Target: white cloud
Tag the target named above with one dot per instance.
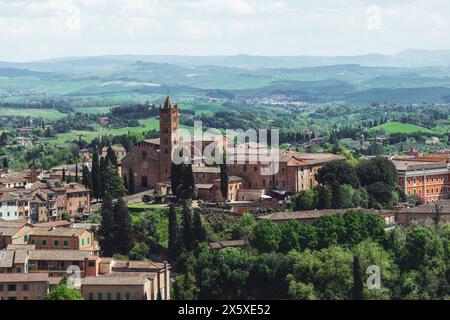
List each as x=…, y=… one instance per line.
x=271, y=27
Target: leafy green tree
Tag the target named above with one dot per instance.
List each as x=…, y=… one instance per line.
x=377, y=170
x=140, y=251
x=307, y=237
x=266, y=236
x=62, y=292
x=301, y=291
x=290, y=236
x=112, y=182
x=304, y=200
x=122, y=229
x=380, y=195
x=324, y=197
x=339, y=197
x=339, y=172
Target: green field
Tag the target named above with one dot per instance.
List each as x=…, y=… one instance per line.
x=399, y=127
x=93, y=110
x=46, y=114
x=146, y=125
x=203, y=107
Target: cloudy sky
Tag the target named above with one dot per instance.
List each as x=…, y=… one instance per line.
x=39, y=29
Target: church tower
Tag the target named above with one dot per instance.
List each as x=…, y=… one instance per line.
x=168, y=125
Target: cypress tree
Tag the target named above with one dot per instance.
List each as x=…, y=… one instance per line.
x=131, y=181
x=198, y=230
x=86, y=177
x=105, y=231
x=224, y=181
x=122, y=230
x=174, y=241
x=188, y=182
x=176, y=176
x=96, y=182
x=103, y=176
x=111, y=156
x=112, y=182
x=76, y=172
x=5, y=163
x=357, y=291
x=63, y=174
x=187, y=227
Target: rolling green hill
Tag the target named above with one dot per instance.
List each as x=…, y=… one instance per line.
x=399, y=127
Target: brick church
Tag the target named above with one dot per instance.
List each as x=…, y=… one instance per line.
x=150, y=162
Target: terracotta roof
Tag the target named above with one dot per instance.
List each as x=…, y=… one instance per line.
x=59, y=223
x=61, y=232
x=204, y=185
x=23, y=277
x=115, y=279
x=203, y=169
x=21, y=256
x=153, y=141
x=21, y=247
x=59, y=255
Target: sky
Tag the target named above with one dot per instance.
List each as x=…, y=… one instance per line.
x=40, y=29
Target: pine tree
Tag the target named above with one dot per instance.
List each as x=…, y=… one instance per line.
x=224, y=181
x=357, y=291
x=131, y=181
x=105, y=231
x=174, y=241
x=198, y=230
x=187, y=227
x=96, y=182
x=122, y=229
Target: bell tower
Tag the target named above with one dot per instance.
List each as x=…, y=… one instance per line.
x=168, y=125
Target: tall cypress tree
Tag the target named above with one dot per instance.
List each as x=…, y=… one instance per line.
x=111, y=156
x=357, y=290
x=187, y=227
x=103, y=176
x=63, y=174
x=174, y=240
x=96, y=182
x=76, y=172
x=131, y=189
x=224, y=181
x=122, y=229
x=105, y=231
x=198, y=230
x=176, y=178
x=188, y=182
x=86, y=177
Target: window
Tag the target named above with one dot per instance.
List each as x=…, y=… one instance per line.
x=91, y=264
x=82, y=242
x=88, y=240
x=37, y=286
x=127, y=296
x=65, y=243
x=12, y=287
x=1, y=287
x=55, y=243
x=118, y=297
x=91, y=296
x=100, y=296
x=44, y=242
x=25, y=287
x=108, y=296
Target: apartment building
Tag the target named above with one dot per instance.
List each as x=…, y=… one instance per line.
x=23, y=286
x=425, y=177
x=62, y=238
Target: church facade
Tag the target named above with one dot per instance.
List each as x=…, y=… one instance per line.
x=150, y=162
